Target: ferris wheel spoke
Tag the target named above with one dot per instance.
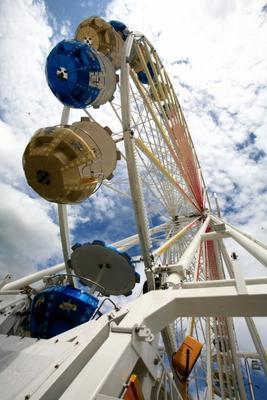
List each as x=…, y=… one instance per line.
x=160, y=187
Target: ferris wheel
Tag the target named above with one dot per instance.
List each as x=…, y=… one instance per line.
x=176, y=340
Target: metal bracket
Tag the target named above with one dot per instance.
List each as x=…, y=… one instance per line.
x=145, y=350
x=144, y=333
x=141, y=332
x=219, y=227
x=141, y=342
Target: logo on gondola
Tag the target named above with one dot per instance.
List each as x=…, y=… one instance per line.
x=68, y=306
x=40, y=301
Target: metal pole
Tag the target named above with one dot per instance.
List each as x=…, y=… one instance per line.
x=226, y=258
x=62, y=214
x=35, y=277
x=249, y=380
x=191, y=320
x=240, y=382
x=187, y=257
x=134, y=179
x=209, y=362
x=174, y=239
x=229, y=323
x=219, y=361
x=257, y=342
x=217, y=205
x=134, y=239
x=254, y=247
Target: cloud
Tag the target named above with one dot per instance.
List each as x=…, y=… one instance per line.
x=215, y=54
x=28, y=33
x=222, y=88
x=220, y=78
x=28, y=235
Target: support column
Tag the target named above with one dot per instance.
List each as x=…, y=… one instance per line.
x=134, y=179
x=257, y=342
x=62, y=214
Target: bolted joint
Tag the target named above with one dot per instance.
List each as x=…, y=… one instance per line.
x=141, y=332
x=144, y=333
x=234, y=256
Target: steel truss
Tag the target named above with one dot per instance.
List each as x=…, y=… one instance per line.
x=201, y=287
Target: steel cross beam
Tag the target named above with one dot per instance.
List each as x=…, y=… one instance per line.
x=110, y=367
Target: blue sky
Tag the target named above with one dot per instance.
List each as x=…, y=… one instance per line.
x=215, y=53
x=64, y=10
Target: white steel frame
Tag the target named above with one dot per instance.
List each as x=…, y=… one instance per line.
x=108, y=350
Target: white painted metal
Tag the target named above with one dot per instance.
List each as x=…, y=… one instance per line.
x=62, y=214
x=110, y=366
x=217, y=205
x=255, y=248
x=257, y=342
x=134, y=180
x=240, y=281
x=209, y=361
x=143, y=117
x=241, y=387
x=249, y=380
x=175, y=277
x=134, y=239
x=104, y=148
x=32, y=278
x=95, y=360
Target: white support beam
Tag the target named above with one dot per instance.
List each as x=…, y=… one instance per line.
x=247, y=354
x=226, y=258
x=215, y=235
x=250, y=385
x=209, y=362
x=173, y=239
x=134, y=239
x=111, y=366
x=239, y=377
x=158, y=309
x=221, y=283
x=134, y=178
x=254, y=247
x=62, y=214
x=239, y=278
x=217, y=205
x=175, y=276
x=35, y=277
x=257, y=342
x=191, y=321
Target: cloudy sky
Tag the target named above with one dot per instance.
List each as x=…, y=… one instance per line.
x=216, y=54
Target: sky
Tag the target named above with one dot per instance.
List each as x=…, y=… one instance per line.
x=215, y=52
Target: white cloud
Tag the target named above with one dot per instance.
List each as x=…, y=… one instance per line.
x=223, y=79
x=11, y=149
x=28, y=235
x=215, y=53
x=222, y=88
x=26, y=105
x=26, y=100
